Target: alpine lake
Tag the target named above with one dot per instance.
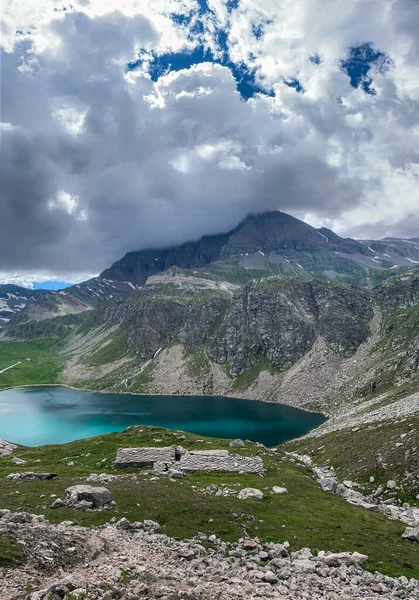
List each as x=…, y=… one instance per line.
x=34, y=416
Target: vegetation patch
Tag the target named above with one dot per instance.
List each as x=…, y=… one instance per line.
x=11, y=554
x=109, y=352
x=248, y=378
x=44, y=365
x=307, y=516
x=383, y=450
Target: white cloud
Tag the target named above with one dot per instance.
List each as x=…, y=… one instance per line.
x=96, y=161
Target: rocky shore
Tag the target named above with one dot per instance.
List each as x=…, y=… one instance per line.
x=126, y=560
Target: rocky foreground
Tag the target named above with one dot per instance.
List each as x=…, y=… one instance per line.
x=132, y=560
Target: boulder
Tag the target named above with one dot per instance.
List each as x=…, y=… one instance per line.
x=411, y=533
x=6, y=448
x=391, y=484
x=336, y=559
x=246, y=493
x=237, y=444
x=270, y=577
x=150, y=526
x=97, y=496
x=328, y=484
x=58, y=503
x=249, y=544
x=30, y=475
x=279, y=490
x=124, y=524
x=175, y=474
x=18, y=461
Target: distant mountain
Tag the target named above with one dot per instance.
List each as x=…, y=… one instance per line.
x=20, y=304
x=14, y=298
x=273, y=241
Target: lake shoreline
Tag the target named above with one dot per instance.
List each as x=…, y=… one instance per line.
x=72, y=387
x=54, y=413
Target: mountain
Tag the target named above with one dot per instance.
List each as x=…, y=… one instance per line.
x=14, y=298
x=273, y=242
x=20, y=305
x=275, y=310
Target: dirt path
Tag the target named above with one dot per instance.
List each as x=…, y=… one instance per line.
x=11, y=367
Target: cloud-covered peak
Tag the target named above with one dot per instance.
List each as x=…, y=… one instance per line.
x=132, y=125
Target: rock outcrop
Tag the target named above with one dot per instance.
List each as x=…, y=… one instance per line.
x=131, y=560
x=86, y=497
x=32, y=475
x=6, y=448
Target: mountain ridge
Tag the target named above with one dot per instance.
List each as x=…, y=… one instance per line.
x=281, y=237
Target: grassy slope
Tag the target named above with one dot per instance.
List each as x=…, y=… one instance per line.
x=307, y=516
x=44, y=351
x=386, y=450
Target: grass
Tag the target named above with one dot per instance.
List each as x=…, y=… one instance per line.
x=385, y=450
x=248, y=378
x=44, y=367
x=106, y=353
x=307, y=516
x=11, y=554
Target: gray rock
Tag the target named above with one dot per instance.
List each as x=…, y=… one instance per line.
x=279, y=490
x=246, y=493
x=391, y=484
x=175, y=474
x=150, y=525
x=270, y=577
x=411, y=533
x=83, y=505
x=30, y=475
x=124, y=524
x=237, y=444
x=328, y=484
x=58, y=503
x=335, y=559
x=97, y=496
x=18, y=461
x=6, y=448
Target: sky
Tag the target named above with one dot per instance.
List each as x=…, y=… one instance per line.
x=131, y=124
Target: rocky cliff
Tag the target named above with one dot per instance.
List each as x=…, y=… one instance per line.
x=272, y=238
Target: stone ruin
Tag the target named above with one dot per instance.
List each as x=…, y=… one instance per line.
x=176, y=461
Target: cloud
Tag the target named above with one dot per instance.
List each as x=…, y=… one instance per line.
x=225, y=109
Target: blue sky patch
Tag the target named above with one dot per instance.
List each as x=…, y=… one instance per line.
x=360, y=62
x=51, y=285
x=294, y=83
x=232, y=5
x=176, y=61
x=315, y=59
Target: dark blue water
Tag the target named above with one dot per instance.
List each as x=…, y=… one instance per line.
x=48, y=415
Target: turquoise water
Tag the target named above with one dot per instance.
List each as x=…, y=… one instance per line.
x=48, y=415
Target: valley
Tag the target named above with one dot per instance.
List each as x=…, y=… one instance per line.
x=273, y=316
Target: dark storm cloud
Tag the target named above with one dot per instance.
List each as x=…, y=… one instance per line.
x=96, y=161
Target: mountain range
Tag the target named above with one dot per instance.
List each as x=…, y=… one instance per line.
x=272, y=243
x=274, y=310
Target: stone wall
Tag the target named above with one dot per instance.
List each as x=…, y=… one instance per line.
x=144, y=457
x=230, y=463
x=188, y=462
